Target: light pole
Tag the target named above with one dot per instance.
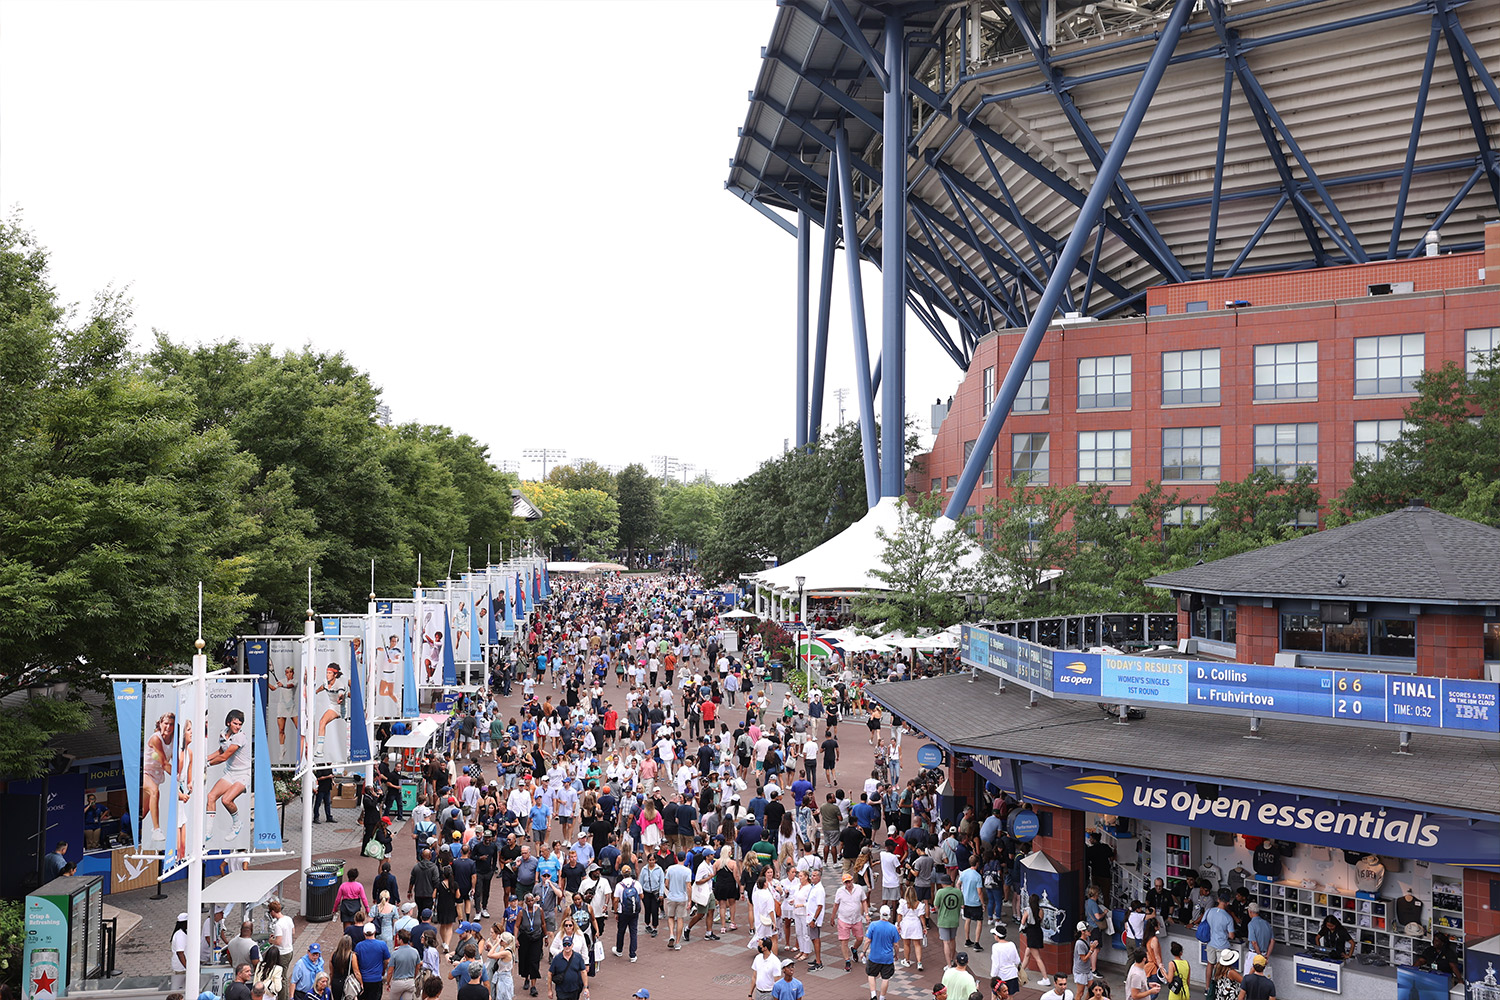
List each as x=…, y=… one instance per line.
x=543, y=454
x=802, y=623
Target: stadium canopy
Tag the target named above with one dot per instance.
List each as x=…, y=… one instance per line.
x=1059, y=157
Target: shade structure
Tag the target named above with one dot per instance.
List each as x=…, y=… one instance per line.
x=421, y=732
x=739, y=613
x=245, y=886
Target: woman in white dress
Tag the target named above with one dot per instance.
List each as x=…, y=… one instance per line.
x=336, y=690
x=388, y=659
x=155, y=762
x=184, y=786
x=283, y=687
x=911, y=920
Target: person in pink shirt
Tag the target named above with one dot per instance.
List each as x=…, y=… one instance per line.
x=353, y=890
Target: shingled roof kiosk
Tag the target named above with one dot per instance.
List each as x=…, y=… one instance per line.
x=1361, y=780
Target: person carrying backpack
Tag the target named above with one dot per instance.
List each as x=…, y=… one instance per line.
x=628, y=904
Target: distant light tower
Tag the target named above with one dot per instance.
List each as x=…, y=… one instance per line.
x=508, y=465
x=668, y=464
x=840, y=394
x=543, y=454
x=686, y=467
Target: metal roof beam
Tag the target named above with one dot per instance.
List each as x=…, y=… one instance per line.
x=1025, y=161
x=1017, y=265
x=966, y=232
x=1461, y=51
x=1257, y=96
x=1453, y=204
x=796, y=201
x=824, y=139
x=1131, y=210
x=1418, y=116
x=1234, y=58
x=939, y=330
x=762, y=208
x=963, y=205
x=933, y=238
x=834, y=94
x=851, y=35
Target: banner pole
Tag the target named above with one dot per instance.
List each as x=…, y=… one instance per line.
x=372, y=685
x=197, y=804
x=309, y=774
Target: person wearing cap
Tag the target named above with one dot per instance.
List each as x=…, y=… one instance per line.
x=881, y=939
x=958, y=978
x=179, y=952
x=308, y=968
x=1257, y=985
x=641, y=994
x=850, y=910
x=1005, y=962
x=1085, y=954
x=374, y=959
x=568, y=977
x=212, y=935
x=283, y=939
x=1259, y=938
x=788, y=987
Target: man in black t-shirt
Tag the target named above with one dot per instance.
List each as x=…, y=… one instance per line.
x=474, y=989
x=775, y=809
x=573, y=871
x=852, y=840
x=484, y=852
x=830, y=748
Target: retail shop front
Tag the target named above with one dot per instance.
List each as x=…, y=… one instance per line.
x=1306, y=819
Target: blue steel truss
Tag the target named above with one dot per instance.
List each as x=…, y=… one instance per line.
x=851, y=93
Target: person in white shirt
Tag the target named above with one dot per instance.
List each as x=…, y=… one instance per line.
x=817, y=906
x=1057, y=991
x=519, y=800
x=767, y=968
x=1005, y=962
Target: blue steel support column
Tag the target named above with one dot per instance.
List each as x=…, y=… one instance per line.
x=825, y=294
x=804, y=240
x=893, y=262
x=1068, y=257
x=863, y=392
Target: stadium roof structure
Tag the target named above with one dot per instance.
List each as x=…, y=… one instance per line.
x=1115, y=144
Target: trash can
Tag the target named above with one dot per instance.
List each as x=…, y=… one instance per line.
x=322, y=886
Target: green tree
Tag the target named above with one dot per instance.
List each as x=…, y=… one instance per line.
x=640, y=498
x=585, y=474
x=927, y=565
x=594, y=517
x=1448, y=455
x=691, y=513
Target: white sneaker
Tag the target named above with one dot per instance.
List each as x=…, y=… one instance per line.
x=158, y=835
x=1044, y=982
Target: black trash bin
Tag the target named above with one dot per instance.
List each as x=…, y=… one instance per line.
x=323, y=881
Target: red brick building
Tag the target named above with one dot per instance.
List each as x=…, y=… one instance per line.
x=1306, y=367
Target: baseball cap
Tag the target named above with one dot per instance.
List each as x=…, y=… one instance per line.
x=568, y=941
x=786, y=962
x=182, y=916
x=847, y=878
x=315, y=949
x=641, y=994
x=1259, y=962
x=408, y=907
x=426, y=913
x=208, y=995
x=885, y=911
x=1082, y=926
x=369, y=928
x=963, y=958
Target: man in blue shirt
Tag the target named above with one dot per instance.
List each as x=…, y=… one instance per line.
x=864, y=814
x=1220, y=923
x=971, y=882
x=788, y=987
x=373, y=957
x=679, y=877
x=880, y=954
x=541, y=819
x=307, y=970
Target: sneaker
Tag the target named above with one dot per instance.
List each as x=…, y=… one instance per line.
x=158, y=835
x=671, y=942
x=485, y=914
x=710, y=937
x=919, y=966
x=615, y=952
x=905, y=964
x=847, y=965
x=687, y=936
x=677, y=947
x=632, y=959
x=1044, y=981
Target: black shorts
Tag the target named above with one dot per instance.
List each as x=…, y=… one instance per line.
x=973, y=913
x=883, y=970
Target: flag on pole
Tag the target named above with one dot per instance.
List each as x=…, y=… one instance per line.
x=267, y=824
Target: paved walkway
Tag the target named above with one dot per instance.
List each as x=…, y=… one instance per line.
x=701, y=970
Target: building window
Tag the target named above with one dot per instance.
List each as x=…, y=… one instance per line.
x=952, y=481
x=1104, y=383
x=937, y=485
x=1479, y=346
x=987, y=477
x=1394, y=637
x=1035, y=389
x=1030, y=460
x=1387, y=365
x=1104, y=456
x=1286, y=371
x=1373, y=437
x=1157, y=310
x=1190, y=453
x=1201, y=306
x=969, y=513
x=1189, y=377
x=1185, y=514
x=989, y=389
x=1360, y=637
x=1285, y=448
x=1214, y=624
x=1492, y=640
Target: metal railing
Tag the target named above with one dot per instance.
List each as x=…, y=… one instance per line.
x=1122, y=630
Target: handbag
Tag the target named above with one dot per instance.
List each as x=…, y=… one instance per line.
x=375, y=848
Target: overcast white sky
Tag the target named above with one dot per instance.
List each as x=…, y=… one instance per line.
x=512, y=214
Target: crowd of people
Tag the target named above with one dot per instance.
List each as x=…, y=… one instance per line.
x=650, y=791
